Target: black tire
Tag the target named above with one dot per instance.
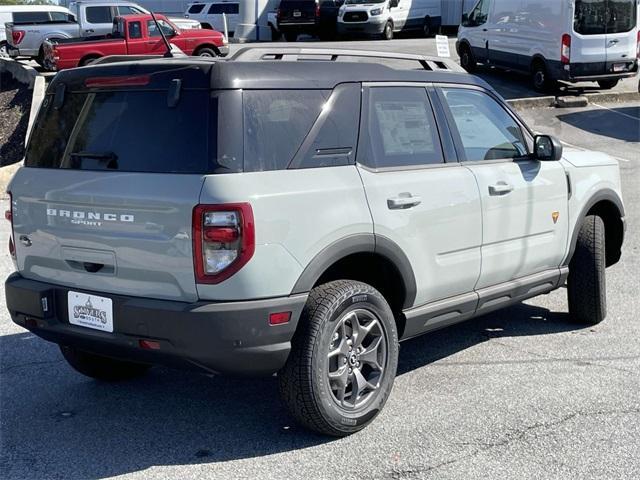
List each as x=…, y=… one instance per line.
x=275, y=34
x=607, y=84
x=586, y=285
x=4, y=51
x=467, y=60
x=206, y=52
x=426, y=28
x=304, y=381
x=291, y=36
x=102, y=368
x=387, y=33
x=540, y=78
x=87, y=61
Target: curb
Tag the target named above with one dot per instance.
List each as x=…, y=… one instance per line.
x=542, y=102
x=22, y=73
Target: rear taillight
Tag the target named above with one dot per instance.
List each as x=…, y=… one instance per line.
x=565, y=50
x=17, y=36
x=223, y=240
x=317, y=10
x=9, y=216
x=124, y=81
x=278, y=14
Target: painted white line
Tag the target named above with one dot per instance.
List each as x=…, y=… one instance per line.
x=615, y=111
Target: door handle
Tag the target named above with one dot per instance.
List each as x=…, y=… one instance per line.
x=403, y=201
x=614, y=41
x=500, y=188
x=88, y=31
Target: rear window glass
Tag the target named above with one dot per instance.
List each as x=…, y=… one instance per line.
x=598, y=17
x=31, y=17
x=220, y=8
x=276, y=122
x=133, y=131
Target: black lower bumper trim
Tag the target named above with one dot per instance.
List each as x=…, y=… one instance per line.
x=227, y=338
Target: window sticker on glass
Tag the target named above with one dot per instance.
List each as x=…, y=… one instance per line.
x=405, y=127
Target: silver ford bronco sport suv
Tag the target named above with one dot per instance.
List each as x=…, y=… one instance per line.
x=294, y=211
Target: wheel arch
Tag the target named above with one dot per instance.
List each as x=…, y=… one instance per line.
x=537, y=58
x=91, y=55
x=607, y=205
x=373, y=259
x=206, y=45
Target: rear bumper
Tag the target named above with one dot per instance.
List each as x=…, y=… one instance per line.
x=592, y=72
x=226, y=338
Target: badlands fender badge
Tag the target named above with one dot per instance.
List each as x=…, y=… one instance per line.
x=555, y=216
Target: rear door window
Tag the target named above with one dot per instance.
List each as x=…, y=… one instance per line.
x=599, y=17
x=220, y=8
x=132, y=131
x=99, y=15
x=276, y=122
x=401, y=129
x=196, y=8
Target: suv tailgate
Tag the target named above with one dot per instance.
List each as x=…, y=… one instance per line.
x=105, y=199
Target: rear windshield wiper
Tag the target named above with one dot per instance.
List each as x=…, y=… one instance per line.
x=98, y=156
x=109, y=157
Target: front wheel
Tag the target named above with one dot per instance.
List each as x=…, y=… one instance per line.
x=206, y=52
x=467, y=60
x=586, y=285
x=343, y=359
x=4, y=49
x=608, y=84
x=102, y=368
x=387, y=33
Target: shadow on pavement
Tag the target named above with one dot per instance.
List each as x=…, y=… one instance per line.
x=607, y=122
x=57, y=423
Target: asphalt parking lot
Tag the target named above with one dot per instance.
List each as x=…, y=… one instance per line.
x=521, y=393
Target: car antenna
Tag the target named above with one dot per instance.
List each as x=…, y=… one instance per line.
x=168, y=53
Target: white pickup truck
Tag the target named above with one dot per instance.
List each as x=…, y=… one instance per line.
x=84, y=19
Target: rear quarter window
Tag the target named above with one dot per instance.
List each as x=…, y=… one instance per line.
x=196, y=8
x=31, y=17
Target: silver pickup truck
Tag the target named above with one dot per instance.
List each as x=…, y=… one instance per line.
x=83, y=20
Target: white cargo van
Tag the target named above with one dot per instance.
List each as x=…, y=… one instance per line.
x=385, y=17
x=570, y=40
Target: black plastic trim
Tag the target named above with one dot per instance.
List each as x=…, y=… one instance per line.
x=603, y=195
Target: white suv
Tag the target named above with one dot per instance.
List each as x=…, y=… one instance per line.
x=209, y=14
x=288, y=213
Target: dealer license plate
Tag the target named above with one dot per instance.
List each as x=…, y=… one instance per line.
x=90, y=311
x=296, y=13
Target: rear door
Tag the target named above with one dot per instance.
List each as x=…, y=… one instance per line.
x=478, y=32
x=589, y=41
x=622, y=34
x=98, y=20
x=105, y=199
x=429, y=208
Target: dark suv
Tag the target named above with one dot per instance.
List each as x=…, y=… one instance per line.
x=311, y=17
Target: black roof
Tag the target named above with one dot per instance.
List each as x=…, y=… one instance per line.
x=197, y=72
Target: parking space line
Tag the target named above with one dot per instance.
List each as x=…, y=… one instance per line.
x=615, y=111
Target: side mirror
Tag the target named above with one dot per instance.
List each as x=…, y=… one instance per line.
x=547, y=147
x=465, y=19
x=393, y=3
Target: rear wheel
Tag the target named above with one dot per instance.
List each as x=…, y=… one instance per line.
x=467, y=60
x=608, y=84
x=343, y=359
x=541, y=79
x=4, y=50
x=206, y=52
x=586, y=285
x=291, y=36
x=387, y=33
x=87, y=61
x=427, y=31
x=102, y=368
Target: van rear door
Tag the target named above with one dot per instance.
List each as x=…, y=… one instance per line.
x=112, y=173
x=588, y=44
x=622, y=35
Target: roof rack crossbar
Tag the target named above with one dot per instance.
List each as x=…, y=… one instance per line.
x=294, y=54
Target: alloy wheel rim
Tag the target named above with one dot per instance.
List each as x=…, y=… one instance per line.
x=357, y=359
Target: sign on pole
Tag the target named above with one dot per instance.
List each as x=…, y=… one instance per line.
x=442, y=43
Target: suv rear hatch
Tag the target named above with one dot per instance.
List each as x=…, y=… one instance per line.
x=113, y=171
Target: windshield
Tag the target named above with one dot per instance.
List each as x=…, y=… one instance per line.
x=598, y=17
x=363, y=2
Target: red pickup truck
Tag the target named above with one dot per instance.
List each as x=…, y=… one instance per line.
x=134, y=35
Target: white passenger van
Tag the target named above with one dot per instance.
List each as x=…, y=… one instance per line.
x=570, y=40
x=385, y=17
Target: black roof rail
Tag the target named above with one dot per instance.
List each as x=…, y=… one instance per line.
x=333, y=54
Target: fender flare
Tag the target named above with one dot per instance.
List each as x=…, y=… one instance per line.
x=359, y=243
x=605, y=194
